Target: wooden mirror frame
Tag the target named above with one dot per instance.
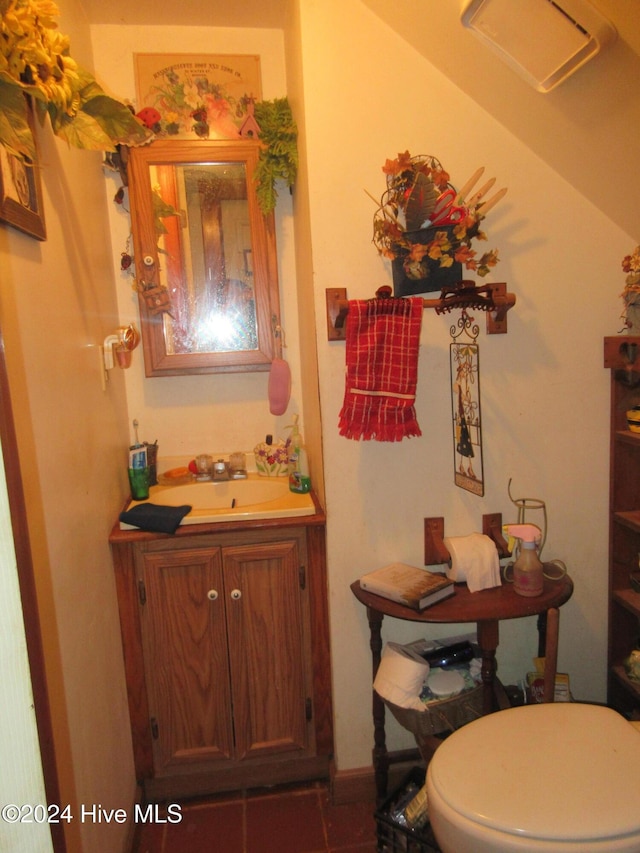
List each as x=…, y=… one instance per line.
x=158, y=362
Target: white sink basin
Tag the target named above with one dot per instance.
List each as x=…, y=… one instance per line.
x=229, y=500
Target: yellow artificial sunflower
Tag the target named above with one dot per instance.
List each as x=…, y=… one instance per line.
x=35, y=61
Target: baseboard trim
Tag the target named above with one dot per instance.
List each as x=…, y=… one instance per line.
x=359, y=784
x=353, y=786
x=238, y=777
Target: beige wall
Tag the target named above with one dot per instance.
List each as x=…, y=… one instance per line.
x=190, y=415
x=362, y=95
x=57, y=303
x=559, y=255
x=368, y=95
x=307, y=319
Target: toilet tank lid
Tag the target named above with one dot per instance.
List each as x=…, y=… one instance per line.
x=544, y=771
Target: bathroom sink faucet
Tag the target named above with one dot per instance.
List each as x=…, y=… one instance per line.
x=220, y=470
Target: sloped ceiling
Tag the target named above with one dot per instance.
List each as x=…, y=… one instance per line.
x=588, y=129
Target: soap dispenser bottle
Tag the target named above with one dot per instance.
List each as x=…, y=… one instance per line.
x=528, y=571
x=299, y=480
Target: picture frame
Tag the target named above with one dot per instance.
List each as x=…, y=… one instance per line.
x=468, y=473
x=21, y=202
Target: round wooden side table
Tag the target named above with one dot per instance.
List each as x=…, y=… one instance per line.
x=487, y=608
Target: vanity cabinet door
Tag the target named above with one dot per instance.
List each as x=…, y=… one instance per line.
x=226, y=650
x=267, y=604
x=225, y=633
x=186, y=657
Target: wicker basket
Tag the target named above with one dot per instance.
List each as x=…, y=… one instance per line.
x=438, y=717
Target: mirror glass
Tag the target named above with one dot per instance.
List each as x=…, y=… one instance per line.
x=205, y=258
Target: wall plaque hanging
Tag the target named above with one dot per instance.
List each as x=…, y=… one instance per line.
x=194, y=96
x=465, y=405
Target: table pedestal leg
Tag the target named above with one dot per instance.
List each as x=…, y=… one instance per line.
x=551, y=653
x=542, y=633
x=380, y=753
x=488, y=635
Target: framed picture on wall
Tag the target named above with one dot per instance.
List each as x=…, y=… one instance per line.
x=196, y=96
x=468, y=471
x=21, y=193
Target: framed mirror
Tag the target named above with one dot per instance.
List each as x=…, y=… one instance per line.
x=205, y=254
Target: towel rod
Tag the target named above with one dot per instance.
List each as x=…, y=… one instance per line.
x=492, y=298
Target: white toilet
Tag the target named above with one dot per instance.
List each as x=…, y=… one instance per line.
x=561, y=777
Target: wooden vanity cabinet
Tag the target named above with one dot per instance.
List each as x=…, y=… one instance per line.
x=226, y=652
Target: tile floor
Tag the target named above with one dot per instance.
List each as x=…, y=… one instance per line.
x=300, y=820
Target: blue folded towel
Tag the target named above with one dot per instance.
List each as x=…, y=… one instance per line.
x=158, y=519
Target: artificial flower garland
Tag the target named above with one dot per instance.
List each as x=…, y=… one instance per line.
x=35, y=61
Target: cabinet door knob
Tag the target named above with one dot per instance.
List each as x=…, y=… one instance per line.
x=212, y=594
x=236, y=594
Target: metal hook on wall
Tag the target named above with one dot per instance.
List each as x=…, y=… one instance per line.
x=279, y=375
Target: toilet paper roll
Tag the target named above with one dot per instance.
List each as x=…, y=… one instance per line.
x=401, y=676
x=474, y=559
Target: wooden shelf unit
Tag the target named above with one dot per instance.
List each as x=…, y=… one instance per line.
x=624, y=522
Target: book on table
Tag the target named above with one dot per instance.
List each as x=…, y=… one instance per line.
x=408, y=585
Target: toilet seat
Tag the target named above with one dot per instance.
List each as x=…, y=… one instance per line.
x=563, y=774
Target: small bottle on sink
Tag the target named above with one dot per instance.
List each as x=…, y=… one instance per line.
x=299, y=479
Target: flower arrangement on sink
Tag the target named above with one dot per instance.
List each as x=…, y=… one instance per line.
x=423, y=225
x=272, y=460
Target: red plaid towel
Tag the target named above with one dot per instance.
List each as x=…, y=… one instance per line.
x=383, y=339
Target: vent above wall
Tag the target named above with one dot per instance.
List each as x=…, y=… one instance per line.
x=544, y=41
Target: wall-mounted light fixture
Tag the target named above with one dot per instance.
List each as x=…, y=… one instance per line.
x=545, y=41
x=116, y=350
